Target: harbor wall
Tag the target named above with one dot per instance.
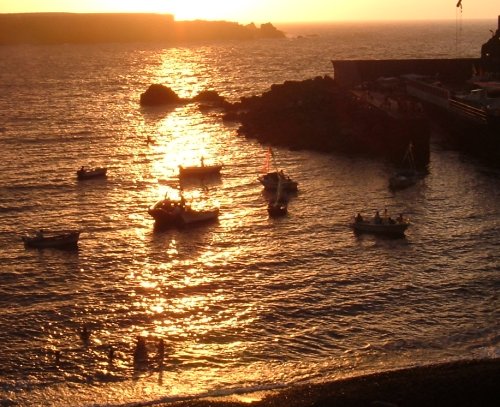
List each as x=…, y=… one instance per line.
x=350, y=73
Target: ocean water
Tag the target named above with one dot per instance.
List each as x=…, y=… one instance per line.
x=248, y=303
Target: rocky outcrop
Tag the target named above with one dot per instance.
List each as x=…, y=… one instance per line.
x=158, y=94
x=317, y=114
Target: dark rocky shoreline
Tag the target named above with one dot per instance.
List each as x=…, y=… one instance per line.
x=471, y=383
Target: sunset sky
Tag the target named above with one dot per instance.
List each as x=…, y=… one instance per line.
x=275, y=11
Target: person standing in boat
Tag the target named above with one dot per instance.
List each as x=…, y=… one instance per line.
x=377, y=218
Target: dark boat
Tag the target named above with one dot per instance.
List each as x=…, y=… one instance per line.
x=53, y=239
x=168, y=212
x=272, y=179
x=88, y=173
x=381, y=226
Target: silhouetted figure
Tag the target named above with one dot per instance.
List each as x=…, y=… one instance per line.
x=359, y=218
x=85, y=335
x=377, y=218
x=111, y=355
x=140, y=353
x=160, y=353
x=57, y=357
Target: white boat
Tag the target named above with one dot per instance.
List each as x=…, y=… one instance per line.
x=55, y=239
x=382, y=226
x=408, y=176
x=199, y=171
x=87, y=173
x=271, y=180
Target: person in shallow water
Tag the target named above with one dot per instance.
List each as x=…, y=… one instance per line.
x=140, y=352
x=160, y=352
x=111, y=354
x=85, y=334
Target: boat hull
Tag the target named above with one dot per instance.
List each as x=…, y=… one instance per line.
x=67, y=240
x=190, y=217
x=83, y=174
x=271, y=181
x=401, y=181
x=165, y=213
x=277, y=210
x=388, y=229
x=205, y=170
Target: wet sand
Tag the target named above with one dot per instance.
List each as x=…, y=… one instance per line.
x=466, y=383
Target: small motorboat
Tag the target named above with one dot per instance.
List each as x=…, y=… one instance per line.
x=378, y=225
x=408, y=176
x=168, y=212
x=271, y=180
x=88, y=173
x=54, y=239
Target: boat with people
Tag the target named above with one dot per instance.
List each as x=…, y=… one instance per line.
x=406, y=176
x=170, y=212
x=271, y=179
x=381, y=225
x=66, y=239
x=88, y=173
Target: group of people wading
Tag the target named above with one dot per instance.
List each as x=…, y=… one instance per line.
x=141, y=359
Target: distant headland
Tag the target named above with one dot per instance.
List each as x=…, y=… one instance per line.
x=56, y=28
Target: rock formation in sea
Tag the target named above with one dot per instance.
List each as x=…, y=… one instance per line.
x=317, y=114
x=157, y=95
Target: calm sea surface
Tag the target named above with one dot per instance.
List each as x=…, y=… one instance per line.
x=246, y=303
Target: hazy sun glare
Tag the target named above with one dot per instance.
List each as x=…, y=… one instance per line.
x=261, y=11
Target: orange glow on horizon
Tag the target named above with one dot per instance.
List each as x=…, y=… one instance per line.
x=263, y=11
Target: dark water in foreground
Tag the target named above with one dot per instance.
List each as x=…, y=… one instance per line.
x=248, y=302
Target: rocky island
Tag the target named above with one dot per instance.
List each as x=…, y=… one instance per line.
x=55, y=28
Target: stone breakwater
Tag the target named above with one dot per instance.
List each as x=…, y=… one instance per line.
x=315, y=114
